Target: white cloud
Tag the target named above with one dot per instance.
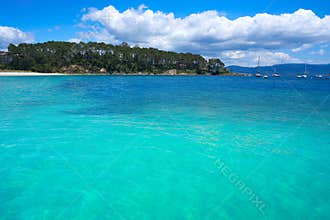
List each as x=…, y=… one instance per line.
x=55, y=28
x=74, y=40
x=13, y=35
x=320, y=52
x=302, y=47
x=234, y=54
x=207, y=32
x=250, y=58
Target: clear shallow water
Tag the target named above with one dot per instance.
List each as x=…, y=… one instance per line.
x=164, y=148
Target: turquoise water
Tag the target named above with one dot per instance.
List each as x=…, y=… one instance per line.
x=164, y=148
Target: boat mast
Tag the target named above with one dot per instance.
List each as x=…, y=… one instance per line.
x=258, y=69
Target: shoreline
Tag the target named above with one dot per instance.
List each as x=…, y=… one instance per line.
x=18, y=73
x=22, y=73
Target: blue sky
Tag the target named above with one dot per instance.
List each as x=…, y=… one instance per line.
x=41, y=20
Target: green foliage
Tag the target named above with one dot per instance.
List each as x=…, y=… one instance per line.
x=216, y=66
x=99, y=57
x=94, y=57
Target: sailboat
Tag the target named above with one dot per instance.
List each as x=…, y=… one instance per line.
x=275, y=74
x=305, y=73
x=258, y=74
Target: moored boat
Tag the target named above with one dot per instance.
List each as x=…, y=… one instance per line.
x=258, y=74
x=304, y=75
x=275, y=74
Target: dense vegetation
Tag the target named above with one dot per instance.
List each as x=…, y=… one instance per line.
x=105, y=58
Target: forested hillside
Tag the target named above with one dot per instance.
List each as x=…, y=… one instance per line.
x=106, y=58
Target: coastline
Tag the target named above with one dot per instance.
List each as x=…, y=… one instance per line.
x=17, y=73
x=21, y=73
x=27, y=73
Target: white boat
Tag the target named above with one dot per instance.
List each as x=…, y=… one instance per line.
x=318, y=76
x=265, y=76
x=258, y=74
x=303, y=75
x=275, y=74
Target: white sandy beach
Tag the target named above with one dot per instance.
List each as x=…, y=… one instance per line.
x=29, y=74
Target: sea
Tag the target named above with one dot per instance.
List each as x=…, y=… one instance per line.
x=164, y=147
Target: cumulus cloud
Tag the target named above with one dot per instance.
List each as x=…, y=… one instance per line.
x=74, y=40
x=207, y=32
x=302, y=47
x=12, y=35
x=250, y=58
x=320, y=52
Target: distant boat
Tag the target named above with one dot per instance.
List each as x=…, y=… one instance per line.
x=265, y=76
x=258, y=74
x=275, y=74
x=319, y=76
x=303, y=75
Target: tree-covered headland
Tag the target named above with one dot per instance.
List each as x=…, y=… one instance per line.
x=66, y=57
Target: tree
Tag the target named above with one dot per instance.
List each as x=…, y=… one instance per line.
x=95, y=57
